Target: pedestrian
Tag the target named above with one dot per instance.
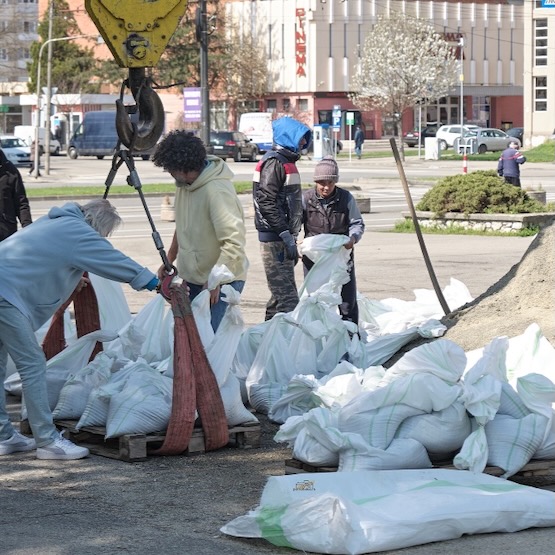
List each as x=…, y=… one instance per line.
x=359, y=141
x=509, y=163
x=209, y=220
x=40, y=267
x=14, y=204
x=328, y=208
x=277, y=199
x=32, y=157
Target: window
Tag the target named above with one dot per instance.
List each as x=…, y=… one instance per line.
x=29, y=27
x=540, y=42
x=302, y=104
x=540, y=94
x=271, y=105
x=286, y=104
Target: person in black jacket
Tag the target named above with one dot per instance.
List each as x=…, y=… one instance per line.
x=277, y=199
x=509, y=164
x=330, y=209
x=14, y=204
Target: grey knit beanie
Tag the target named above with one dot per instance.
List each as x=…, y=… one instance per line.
x=326, y=170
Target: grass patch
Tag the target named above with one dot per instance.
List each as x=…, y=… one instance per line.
x=407, y=226
x=541, y=153
x=98, y=190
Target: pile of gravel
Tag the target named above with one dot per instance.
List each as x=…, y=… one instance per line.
x=523, y=296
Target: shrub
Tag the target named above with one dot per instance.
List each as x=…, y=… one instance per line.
x=479, y=192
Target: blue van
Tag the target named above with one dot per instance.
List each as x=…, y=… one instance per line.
x=97, y=136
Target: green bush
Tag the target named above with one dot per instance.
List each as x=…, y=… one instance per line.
x=479, y=192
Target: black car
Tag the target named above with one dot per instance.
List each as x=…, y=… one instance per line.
x=233, y=144
x=516, y=132
x=411, y=138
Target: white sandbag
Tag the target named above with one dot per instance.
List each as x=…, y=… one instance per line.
x=401, y=453
x=381, y=348
x=142, y=406
x=440, y=432
x=530, y=352
x=112, y=305
x=473, y=455
x=313, y=437
x=221, y=353
x=296, y=400
x=546, y=451
x=330, y=259
x=510, y=403
x=512, y=442
x=200, y=306
x=442, y=358
x=538, y=394
x=98, y=403
x=369, y=512
x=145, y=335
x=70, y=360
x=77, y=388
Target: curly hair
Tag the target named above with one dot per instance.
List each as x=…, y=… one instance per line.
x=180, y=151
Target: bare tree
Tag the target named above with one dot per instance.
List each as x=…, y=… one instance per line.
x=403, y=61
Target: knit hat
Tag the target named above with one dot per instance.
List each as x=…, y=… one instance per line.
x=326, y=170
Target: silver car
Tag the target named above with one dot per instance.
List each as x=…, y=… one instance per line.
x=489, y=139
x=16, y=151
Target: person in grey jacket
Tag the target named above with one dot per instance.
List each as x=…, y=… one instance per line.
x=509, y=164
x=331, y=209
x=40, y=267
x=277, y=198
x=14, y=204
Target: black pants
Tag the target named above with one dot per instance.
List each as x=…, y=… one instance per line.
x=512, y=180
x=349, y=307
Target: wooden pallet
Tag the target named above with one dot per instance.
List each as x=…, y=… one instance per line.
x=136, y=447
x=534, y=473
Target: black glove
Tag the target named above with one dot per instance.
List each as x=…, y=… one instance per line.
x=291, y=252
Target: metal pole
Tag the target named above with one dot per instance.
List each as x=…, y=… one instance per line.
x=205, y=95
x=48, y=92
x=461, y=78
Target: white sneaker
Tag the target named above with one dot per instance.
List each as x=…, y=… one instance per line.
x=61, y=449
x=16, y=443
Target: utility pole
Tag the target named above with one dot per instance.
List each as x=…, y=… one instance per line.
x=48, y=91
x=202, y=36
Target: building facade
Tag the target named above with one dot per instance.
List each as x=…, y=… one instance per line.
x=539, y=71
x=314, y=47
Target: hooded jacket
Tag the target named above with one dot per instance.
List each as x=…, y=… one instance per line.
x=41, y=265
x=276, y=187
x=210, y=225
x=14, y=204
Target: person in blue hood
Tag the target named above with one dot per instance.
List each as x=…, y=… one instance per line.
x=40, y=267
x=278, y=211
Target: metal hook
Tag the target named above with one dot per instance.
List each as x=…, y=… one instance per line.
x=143, y=134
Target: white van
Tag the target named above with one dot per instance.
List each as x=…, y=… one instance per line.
x=27, y=134
x=257, y=126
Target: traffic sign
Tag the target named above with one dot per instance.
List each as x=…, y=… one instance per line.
x=548, y=3
x=350, y=118
x=4, y=108
x=336, y=117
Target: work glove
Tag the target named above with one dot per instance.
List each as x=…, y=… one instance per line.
x=291, y=252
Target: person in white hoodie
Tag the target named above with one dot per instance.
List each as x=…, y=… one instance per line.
x=209, y=221
x=40, y=267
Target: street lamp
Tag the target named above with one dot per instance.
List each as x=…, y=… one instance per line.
x=37, y=122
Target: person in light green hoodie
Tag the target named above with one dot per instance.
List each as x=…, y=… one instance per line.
x=209, y=220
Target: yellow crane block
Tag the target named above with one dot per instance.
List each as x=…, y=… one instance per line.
x=136, y=31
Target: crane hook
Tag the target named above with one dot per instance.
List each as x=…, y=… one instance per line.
x=143, y=135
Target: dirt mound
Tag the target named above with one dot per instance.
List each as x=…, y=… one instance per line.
x=524, y=295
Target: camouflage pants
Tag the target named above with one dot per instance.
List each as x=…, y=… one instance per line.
x=280, y=275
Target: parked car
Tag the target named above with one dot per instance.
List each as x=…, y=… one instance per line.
x=16, y=151
x=233, y=144
x=28, y=134
x=489, y=139
x=412, y=138
x=516, y=132
x=447, y=134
